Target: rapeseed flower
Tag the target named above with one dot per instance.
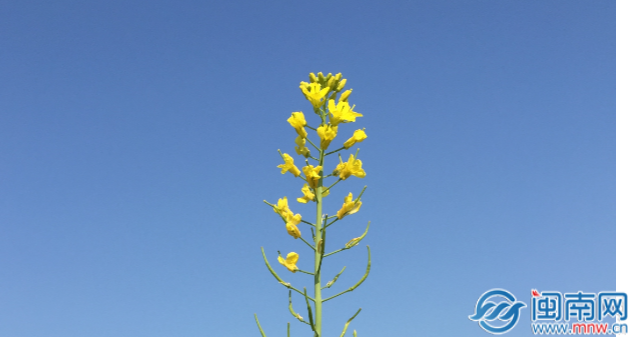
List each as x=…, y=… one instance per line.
x=289, y=165
x=327, y=133
x=341, y=113
x=300, y=148
x=351, y=167
x=358, y=136
x=290, y=262
x=350, y=206
x=297, y=120
x=282, y=208
x=312, y=175
x=307, y=194
x=314, y=93
x=291, y=225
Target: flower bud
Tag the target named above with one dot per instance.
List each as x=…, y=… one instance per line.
x=321, y=78
x=332, y=83
x=345, y=95
x=312, y=78
x=341, y=84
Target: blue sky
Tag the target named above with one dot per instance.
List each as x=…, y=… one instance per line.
x=138, y=140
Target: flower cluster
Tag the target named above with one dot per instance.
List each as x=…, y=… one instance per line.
x=321, y=92
x=331, y=105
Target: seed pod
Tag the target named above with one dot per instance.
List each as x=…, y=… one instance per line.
x=353, y=242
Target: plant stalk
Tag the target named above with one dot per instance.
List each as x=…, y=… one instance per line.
x=318, y=253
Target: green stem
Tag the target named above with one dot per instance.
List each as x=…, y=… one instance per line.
x=335, y=251
x=269, y=204
x=316, y=147
x=359, y=196
x=318, y=253
x=297, y=316
x=332, y=185
x=259, y=326
x=307, y=243
x=305, y=272
x=331, y=223
x=351, y=243
x=368, y=269
x=309, y=223
x=334, y=151
x=320, y=113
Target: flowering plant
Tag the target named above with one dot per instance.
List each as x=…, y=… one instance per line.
x=322, y=92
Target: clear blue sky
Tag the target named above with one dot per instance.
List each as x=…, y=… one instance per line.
x=138, y=140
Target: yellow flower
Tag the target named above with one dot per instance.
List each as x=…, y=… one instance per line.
x=313, y=93
x=290, y=218
x=290, y=262
x=312, y=175
x=358, y=136
x=341, y=113
x=327, y=134
x=300, y=148
x=291, y=225
x=297, y=120
x=349, y=206
x=351, y=167
x=282, y=208
x=307, y=194
x=289, y=165
x=325, y=191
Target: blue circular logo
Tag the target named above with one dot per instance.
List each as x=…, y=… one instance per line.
x=507, y=310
